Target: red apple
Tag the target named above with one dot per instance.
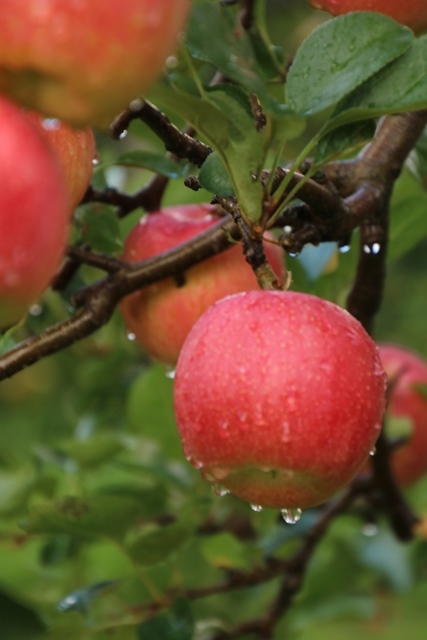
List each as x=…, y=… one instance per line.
x=405, y=371
x=84, y=60
x=33, y=214
x=75, y=151
x=412, y=13
x=161, y=315
x=279, y=397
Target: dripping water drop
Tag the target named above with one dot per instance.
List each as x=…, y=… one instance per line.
x=291, y=516
x=256, y=507
x=373, y=451
x=131, y=336
x=123, y=134
x=345, y=248
x=376, y=248
x=220, y=491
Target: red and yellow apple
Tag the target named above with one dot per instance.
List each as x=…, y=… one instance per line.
x=161, y=315
x=413, y=13
x=279, y=397
x=84, y=60
x=34, y=214
x=75, y=151
x=407, y=374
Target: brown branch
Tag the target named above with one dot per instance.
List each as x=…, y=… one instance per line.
x=376, y=169
x=293, y=570
x=99, y=300
x=177, y=142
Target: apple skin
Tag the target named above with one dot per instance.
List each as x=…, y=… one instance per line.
x=33, y=214
x=161, y=315
x=406, y=370
x=413, y=14
x=84, y=61
x=279, y=397
x=75, y=151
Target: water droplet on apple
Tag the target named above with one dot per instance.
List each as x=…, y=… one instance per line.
x=51, y=124
x=370, y=529
x=286, y=432
x=123, y=134
x=194, y=463
x=131, y=336
x=220, y=491
x=256, y=507
x=35, y=310
x=96, y=161
x=291, y=516
x=373, y=451
x=170, y=373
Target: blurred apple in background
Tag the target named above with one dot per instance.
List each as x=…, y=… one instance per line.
x=161, y=315
x=407, y=411
x=83, y=61
x=34, y=213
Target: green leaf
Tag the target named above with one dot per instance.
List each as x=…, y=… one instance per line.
x=343, y=141
x=93, y=452
x=387, y=556
x=211, y=36
x=379, y=95
x=340, y=55
x=99, y=227
x=224, y=551
x=152, y=544
x=214, y=178
x=105, y=515
x=150, y=410
x=176, y=624
x=151, y=161
x=17, y=621
x=408, y=220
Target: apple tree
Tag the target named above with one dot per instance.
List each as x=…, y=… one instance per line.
x=258, y=149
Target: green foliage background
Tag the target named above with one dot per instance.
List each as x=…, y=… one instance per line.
x=100, y=515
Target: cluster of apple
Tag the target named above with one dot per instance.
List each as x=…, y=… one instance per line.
x=279, y=396
x=64, y=65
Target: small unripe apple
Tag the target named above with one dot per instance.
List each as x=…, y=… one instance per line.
x=83, y=61
x=278, y=397
x=34, y=213
x=407, y=374
x=413, y=13
x=75, y=151
x=161, y=315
